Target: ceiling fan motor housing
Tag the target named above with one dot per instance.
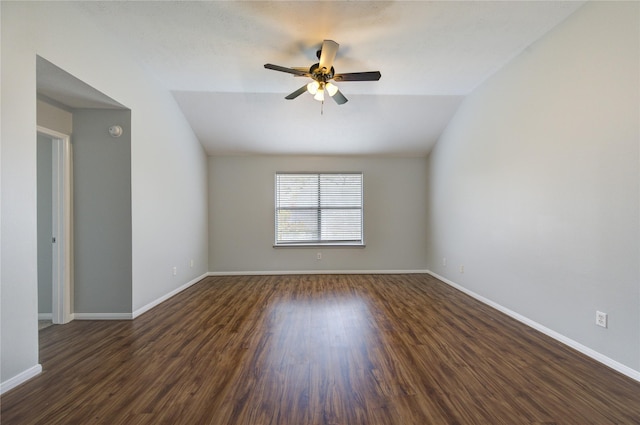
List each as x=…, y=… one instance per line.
x=318, y=75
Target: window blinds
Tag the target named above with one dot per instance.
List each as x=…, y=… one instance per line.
x=319, y=208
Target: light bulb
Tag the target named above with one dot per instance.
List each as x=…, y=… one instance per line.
x=319, y=95
x=331, y=89
x=312, y=87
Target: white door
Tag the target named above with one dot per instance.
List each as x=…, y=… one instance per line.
x=61, y=237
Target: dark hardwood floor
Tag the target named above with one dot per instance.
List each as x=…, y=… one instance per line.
x=311, y=349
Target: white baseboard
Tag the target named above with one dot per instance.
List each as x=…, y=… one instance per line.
x=102, y=316
x=20, y=378
x=607, y=361
x=165, y=297
x=45, y=316
x=290, y=272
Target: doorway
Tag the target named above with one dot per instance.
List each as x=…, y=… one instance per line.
x=55, y=240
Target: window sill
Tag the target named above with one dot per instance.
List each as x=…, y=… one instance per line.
x=320, y=245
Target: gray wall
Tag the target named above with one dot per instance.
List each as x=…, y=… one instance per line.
x=45, y=231
x=241, y=215
x=102, y=212
x=534, y=186
x=54, y=117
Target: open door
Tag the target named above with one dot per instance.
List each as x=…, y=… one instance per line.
x=61, y=238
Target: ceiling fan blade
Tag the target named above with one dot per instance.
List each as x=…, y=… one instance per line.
x=339, y=98
x=305, y=71
x=358, y=76
x=293, y=71
x=328, y=54
x=297, y=92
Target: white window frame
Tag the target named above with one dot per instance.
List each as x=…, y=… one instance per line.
x=319, y=243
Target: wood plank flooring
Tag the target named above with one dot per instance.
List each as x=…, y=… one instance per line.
x=317, y=349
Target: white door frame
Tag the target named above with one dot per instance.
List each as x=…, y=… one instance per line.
x=62, y=239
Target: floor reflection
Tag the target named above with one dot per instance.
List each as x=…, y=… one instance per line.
x=316, y=349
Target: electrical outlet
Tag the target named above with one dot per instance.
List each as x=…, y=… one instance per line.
x=191, y=263
x=319, y=256
x=461, y=269
x=444, y=262
x=601, y=319
x=175, y=270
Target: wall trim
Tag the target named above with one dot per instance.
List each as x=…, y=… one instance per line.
x=607, y=361
x=20, y=378
x=165, y=297
x=290, y=272
x=102, y=316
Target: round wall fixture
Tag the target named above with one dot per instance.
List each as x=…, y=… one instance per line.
x=115, y=131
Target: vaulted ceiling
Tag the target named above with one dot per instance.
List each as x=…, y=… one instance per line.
x=210, y=55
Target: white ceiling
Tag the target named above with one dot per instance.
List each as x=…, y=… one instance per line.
x=431, y=54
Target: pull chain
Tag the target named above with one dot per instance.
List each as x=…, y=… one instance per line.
x=322, y=108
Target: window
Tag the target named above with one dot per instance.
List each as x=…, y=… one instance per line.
x=319, y=209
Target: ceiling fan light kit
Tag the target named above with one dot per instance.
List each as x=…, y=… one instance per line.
x=322, y=72
x=313, y=87
x=332, y=89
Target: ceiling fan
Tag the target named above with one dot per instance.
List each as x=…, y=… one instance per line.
x=322, y=73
